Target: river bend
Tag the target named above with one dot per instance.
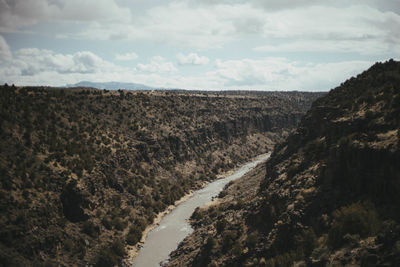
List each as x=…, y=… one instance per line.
x=174, y=227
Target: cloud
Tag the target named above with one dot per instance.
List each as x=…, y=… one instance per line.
x=373, y=47
x=5, y=53
x=192, y=59
x=180, y=25
x=126, y=57
x=33, y=66
x=355, y=29
x=320, y=22
x=277, y=5
x=283, y=74
x=32, y=61
x=17, y=14
x=36, y=66
x=336, y=26
x=250, y=72
x=208, y=24
x=157, y=65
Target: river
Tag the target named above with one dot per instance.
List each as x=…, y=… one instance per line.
x=174, y=227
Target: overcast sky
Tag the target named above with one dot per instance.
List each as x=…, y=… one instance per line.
x=196, y=44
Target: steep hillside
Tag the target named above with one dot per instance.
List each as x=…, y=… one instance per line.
x=84, y=171
x=330, y=194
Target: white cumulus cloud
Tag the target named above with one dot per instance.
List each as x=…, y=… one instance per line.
x=33, y=66
x=126, y=57
x=192, y=59
x=357, y=29
x=328, y=26
x=157, y=65
x=283, y=74
x=180, y=25
x=31, y=61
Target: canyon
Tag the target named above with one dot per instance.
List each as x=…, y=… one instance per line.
x=85, y=171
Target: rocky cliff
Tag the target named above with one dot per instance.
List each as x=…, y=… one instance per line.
x=83, y=171
x=330, y=193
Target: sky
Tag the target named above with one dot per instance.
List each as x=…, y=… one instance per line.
x=307, y=45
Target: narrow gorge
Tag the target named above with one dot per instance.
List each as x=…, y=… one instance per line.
x=84, y=171
x=328, y=196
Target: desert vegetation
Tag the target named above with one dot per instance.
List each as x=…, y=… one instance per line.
x=84, y=171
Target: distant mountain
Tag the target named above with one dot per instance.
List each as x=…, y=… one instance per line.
x=111, y=85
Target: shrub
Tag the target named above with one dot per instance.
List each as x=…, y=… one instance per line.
x=357, y=218
x=222, y=194
x=315, y=148
x=118, y=248
x=197, y=215
x=305, y=241
x=106, y=259
x=134, y=235
x=292, y=170
x=210, y=243
x=80, y=250
x=119, y=224
x=90, y=229
x=68, y=244
x=227, y=240
x=107, y=223
x=221, y=224
x=237, y=249
x=112, y=255
x=251, y=240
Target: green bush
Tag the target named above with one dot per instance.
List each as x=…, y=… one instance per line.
x=305, y=241
x=90, y=229
x=292, y=170
x=68, y=244
x=221, y=224
x=285, y=259
x=237, y=249
x=251, y=240
x=315, y=148
x=112, y=255
x=119, y=224
x=118, y=248
x=106, y=259
x=197, y=215
x=134, y=235
x=228, y=240
x=210, y=243
x=106, y=221
x=357, y=218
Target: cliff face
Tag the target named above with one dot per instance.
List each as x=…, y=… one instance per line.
x=84, y=171
x=332, y=187
x=330, y=194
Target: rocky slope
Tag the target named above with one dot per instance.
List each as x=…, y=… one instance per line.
x=83, y=171
x=330, y=193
